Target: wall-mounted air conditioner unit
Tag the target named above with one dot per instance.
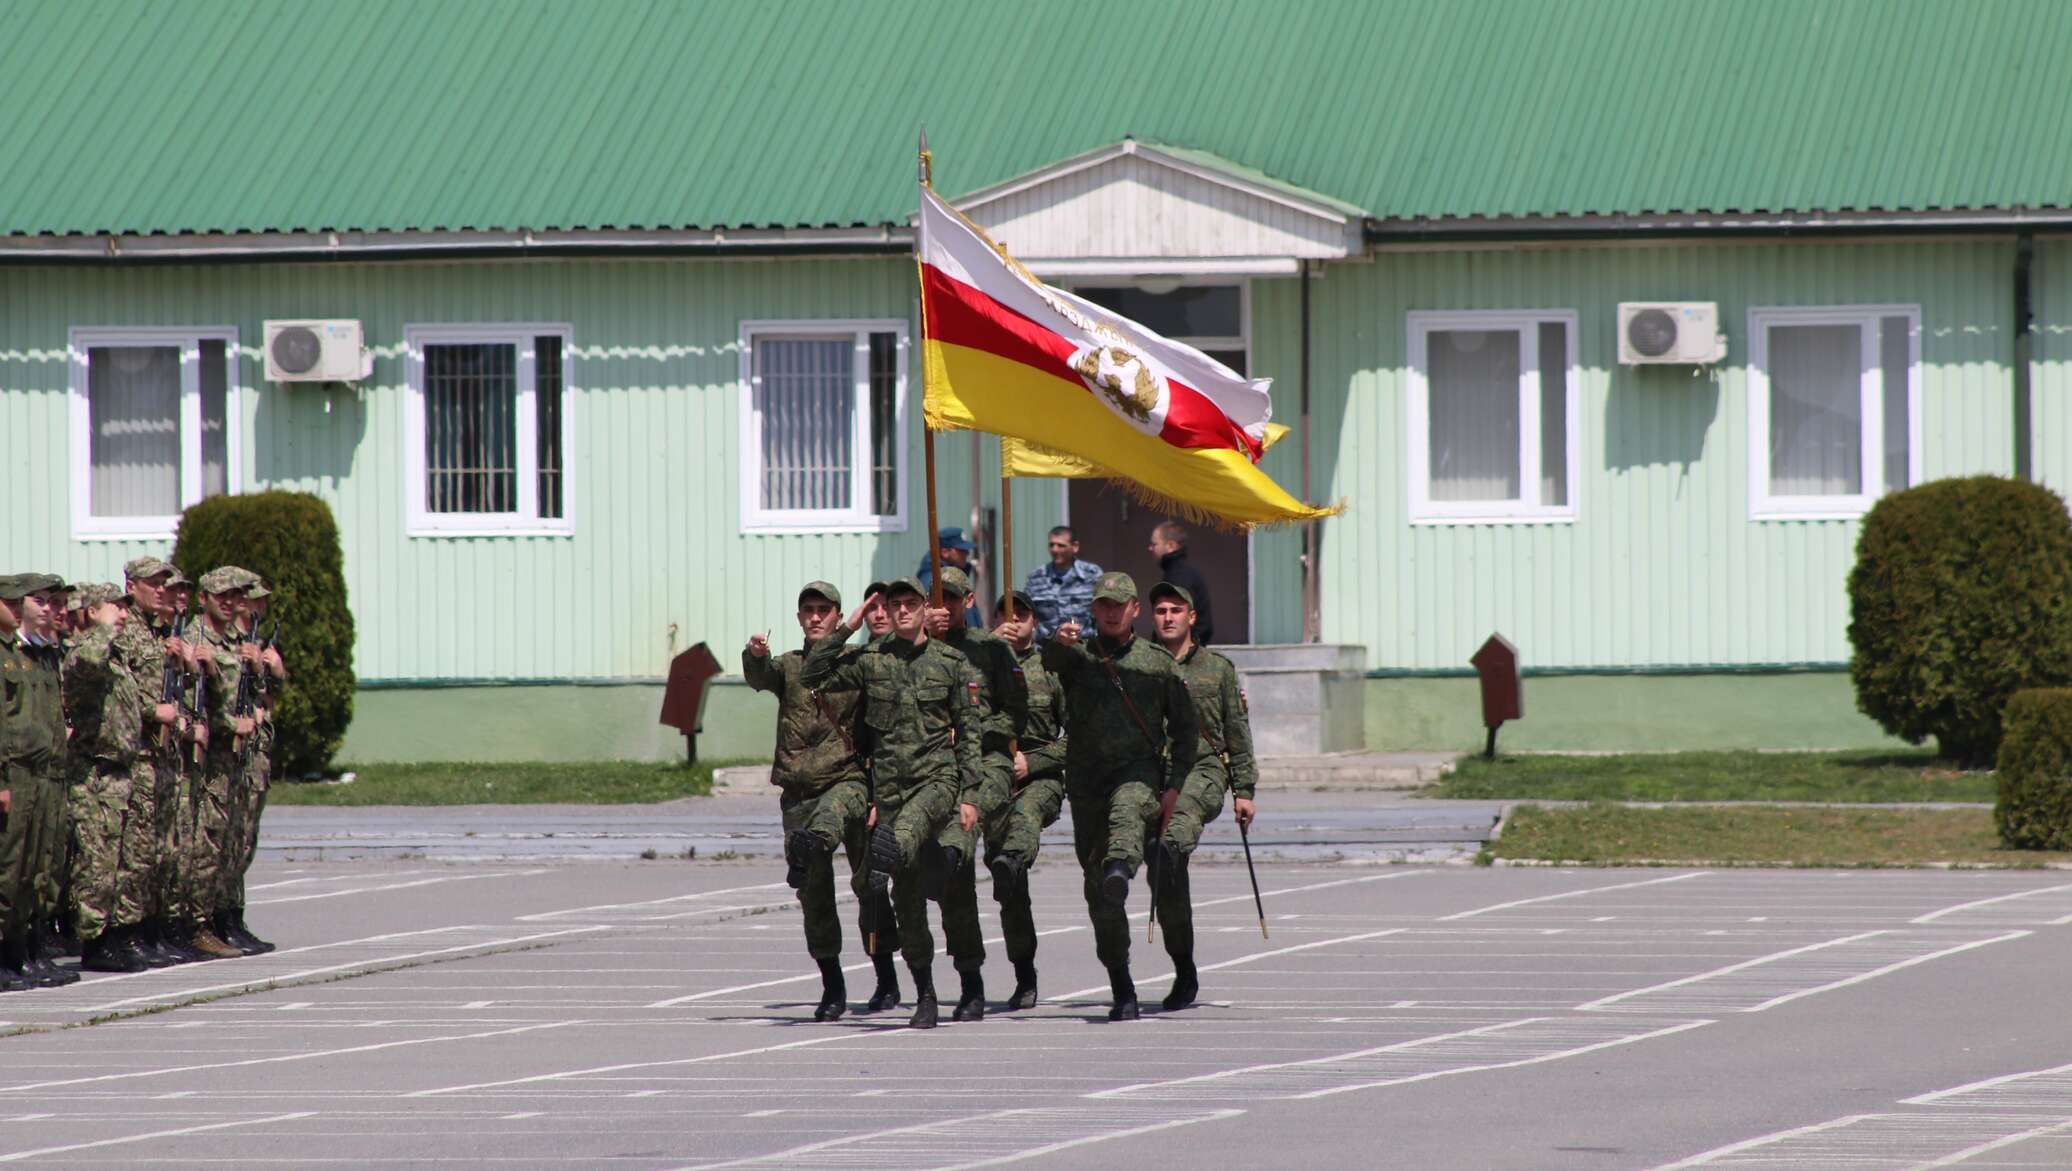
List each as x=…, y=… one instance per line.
x=1670, y=332
x=316, y=351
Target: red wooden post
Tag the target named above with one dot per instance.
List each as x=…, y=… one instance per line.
x=1503, y=686
x=683, y=699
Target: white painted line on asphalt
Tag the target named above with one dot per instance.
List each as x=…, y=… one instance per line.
x=1932, y=916
x=1068, y=1144
x=1248, y=959
x=19, y=1156
x=592, y=1071
x=1956, y=1157
x=1718, y=1153
x=1538, y=1059
x=292, y=1005
x=367, y=890
x=260, y=979
x=1889, y=968
x=521, y=1115
x=1731, y=968
x=280, y=1059
x=761, y=1113
x=98, y=981
x=911, y=1146
x=1985, y=1084
x=685, y=898
x=477, y=1004
x=1570, y=894
x=31, y=1117
x=324, y=878
x=1240, y=1071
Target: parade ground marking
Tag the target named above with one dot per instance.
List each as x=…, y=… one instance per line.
x=1570, y=894
x=1721, y=994
x=947, y=1144
x=21, y=1156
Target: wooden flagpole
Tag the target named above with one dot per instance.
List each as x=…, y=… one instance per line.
x=928, y=432
x=1006, y=535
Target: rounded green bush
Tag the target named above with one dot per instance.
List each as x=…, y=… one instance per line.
x=2034, y=810
x=291, y=540
x=1961, y=596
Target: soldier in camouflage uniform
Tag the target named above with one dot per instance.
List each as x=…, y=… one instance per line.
x=1039, y=794
x=104, y=704
x=1131, y=734
x=823, y=795
x=1005, y=707
x=209, y=826
x=920, y=703
x=32, y=767
x=1225, y=765
x=144, y=640
x=178, y=838
x=264, y=666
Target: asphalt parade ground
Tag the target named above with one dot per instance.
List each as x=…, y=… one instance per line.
x=656, y=1015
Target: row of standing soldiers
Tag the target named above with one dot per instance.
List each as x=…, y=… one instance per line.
x=135, y=753
x=933, y=745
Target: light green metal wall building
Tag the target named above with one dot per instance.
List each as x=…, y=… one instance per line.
x=653, y=202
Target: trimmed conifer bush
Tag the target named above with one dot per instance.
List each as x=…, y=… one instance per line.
x=291, y=540
x=2034, y=811
x=1961, y=596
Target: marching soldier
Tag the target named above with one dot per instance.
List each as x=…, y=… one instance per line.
x=1225, y=765
x=823, y=797
x=1131, y=734
x=919, y=703
x=262, y=665
x=149, y=848
x=1004, y=709
x=32, y=765
x=1039, y=793
x=208, y=827
x=104, y=704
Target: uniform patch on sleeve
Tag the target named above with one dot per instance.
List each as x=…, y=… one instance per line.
x=972, y=687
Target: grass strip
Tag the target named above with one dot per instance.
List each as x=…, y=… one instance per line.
x=615, y=782
x=1611, y=834
x=1853, y=777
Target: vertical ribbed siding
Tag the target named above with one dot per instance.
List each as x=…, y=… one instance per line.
x=653, y=471
x=1663, y=565
x=2050, y=365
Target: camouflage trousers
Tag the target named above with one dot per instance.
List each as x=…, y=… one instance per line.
x=50, y=846
x=962, y=936
x=248, y=803
x=915, y=816
x=105, y=887
x=836, y=815
x=205, y=830
x=1200, y=802
x=1020, y=832
x=172, y=801
x=1111, y=826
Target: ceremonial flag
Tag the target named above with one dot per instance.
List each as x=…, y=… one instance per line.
x=1006, y=353
x=1021, y=458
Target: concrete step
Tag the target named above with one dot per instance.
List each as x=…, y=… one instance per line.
x=1355, y=771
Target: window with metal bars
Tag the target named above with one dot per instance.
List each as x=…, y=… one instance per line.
x=487, y=429
x=822, y=441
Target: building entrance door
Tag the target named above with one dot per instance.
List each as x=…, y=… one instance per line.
x=1115, y=531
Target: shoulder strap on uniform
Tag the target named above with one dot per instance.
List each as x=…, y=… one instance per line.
x=1128, y=705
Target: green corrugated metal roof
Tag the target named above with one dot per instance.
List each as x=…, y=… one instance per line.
x=222, y=115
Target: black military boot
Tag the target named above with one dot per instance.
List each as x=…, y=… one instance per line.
x=1186, y=986
x=241, y=936
x=1115, y=882
x=151, y=944
x=12, y=977
x=1024, y=985
x=971, y=997
x=44, y=968
x=886, y=994
x=106, y=953
x=834, y=992
x=1010, y=876
x=1124, y=990
x=64, y=941
x=924, y=999
x=179, y=941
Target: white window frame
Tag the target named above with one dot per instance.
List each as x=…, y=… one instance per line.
x=420, y=521
x=858, y=517
x=85, y=525
x=1419, y=325
x=1764, y=505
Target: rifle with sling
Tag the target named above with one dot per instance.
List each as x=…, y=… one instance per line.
x=251, y=689
x=169, y=688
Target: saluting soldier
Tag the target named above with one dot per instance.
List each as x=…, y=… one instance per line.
x=1004, y=707
x=145, y=640
x=263, y=665
x=1225, y=766
x=822, y=792
x=1131, y=734
x=919, y=703
x=32, y=764
x=1039, y=794
x=104, y=704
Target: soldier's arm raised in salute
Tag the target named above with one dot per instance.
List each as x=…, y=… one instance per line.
x=826, y=669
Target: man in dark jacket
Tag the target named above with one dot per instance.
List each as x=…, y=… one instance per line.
x=1169, y=545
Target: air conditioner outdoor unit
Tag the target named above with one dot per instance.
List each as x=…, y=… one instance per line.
x=1670, y=332
x=316, y=351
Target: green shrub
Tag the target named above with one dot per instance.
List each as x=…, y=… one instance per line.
x=290, y=539
x=2034, y=811
x=1961, y=596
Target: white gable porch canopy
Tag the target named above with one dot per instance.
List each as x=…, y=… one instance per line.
x=1138, y=210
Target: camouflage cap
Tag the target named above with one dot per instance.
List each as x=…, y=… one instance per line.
x=93, y=594
x=1115, y=587
x=904, y=585
x=178, y=578
x=823, y=589
x=1022, y=604
x=146, y=568
x=955, y=581
x=876, y=587
x=257, y=589
x=16, y=586
x=1166, y=589
x=227, y=579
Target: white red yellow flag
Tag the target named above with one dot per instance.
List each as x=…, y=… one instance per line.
x=1004, y=352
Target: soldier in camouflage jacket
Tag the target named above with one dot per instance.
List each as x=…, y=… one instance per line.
x=1039, y=794
x=104, y=704
x=32, y=774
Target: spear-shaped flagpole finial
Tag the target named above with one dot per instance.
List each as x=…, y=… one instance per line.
x=927, y=161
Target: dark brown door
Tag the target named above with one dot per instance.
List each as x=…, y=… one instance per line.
x=1115, y=533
